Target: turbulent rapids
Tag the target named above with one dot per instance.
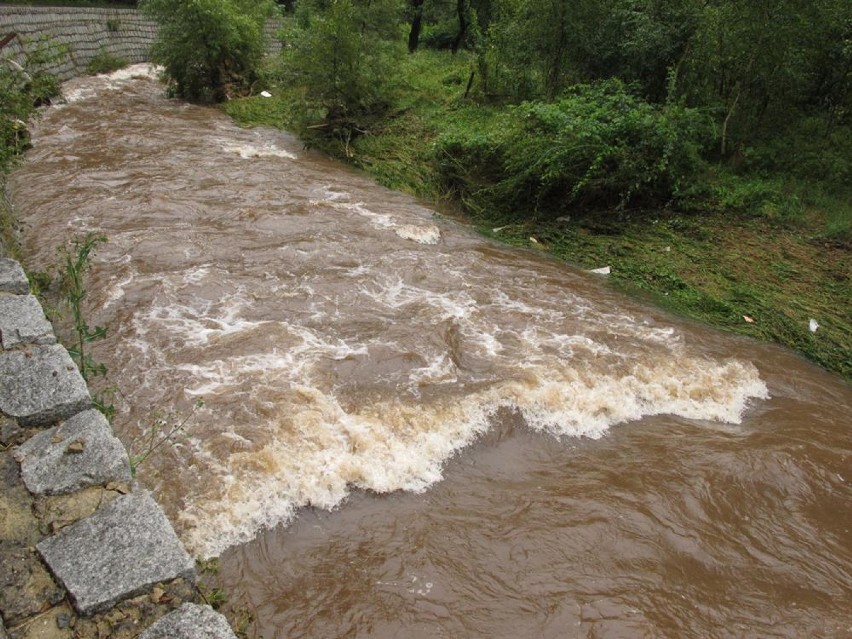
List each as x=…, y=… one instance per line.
x=345, y=337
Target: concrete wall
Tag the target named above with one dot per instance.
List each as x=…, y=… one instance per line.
x=78, y=34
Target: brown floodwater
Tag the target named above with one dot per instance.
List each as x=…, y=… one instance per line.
x=411, y=431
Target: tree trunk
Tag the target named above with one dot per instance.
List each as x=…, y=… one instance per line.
x=554, y=67
x=724, y=145
x=416, y=24
x=462, y=9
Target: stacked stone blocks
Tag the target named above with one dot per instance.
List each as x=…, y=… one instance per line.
x=82, y=551
x=69, y=37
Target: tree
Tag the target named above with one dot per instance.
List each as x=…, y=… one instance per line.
x=209, y=48
x=345, y=51
x=762, y=63
x=463, y=12
x=536, y=48
x=416, y=25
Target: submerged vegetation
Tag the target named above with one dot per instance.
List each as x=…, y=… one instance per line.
x=701, y=150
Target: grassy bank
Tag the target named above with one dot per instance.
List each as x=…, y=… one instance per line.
x=756, y=256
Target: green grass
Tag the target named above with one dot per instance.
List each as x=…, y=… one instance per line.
x=737, y=248
x=722, y=269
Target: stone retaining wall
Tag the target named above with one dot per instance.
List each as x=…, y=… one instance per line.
x=84, y=553
x=70, y=36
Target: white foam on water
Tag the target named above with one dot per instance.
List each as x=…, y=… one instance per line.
x=419, y=395
x=197, y=274
x=319, y=449
x=323, y=437
x=490, y=344
x=117, y=288
x=319, y=452
x=420, y=233
x=267, y=150
x=72, y=94
x=79, y=89
x=396, y=294
x=572, y=404
x=197, y=326
x=136, y=71
x=305, y=348
x=500, y=299
x=440, y=370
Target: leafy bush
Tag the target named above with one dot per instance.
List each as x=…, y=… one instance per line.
x=440, y=36
x=20, y=93
x=15, y=107
x=343, y=52
x=821, y=151
x=597, y=146
x=105, y=62
x=209, y=48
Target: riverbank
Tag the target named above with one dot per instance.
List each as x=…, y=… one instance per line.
x=757, y=257
x=84, y=552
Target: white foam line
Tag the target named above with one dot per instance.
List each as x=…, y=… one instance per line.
x=321, y=450
x=421, y=234
x=248, y=151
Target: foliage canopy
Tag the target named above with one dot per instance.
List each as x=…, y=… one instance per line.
x=596, y=146
x=210, y=49
x=343, y=52
x=773, y=77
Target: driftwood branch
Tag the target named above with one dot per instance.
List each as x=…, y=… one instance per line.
x=6, y=40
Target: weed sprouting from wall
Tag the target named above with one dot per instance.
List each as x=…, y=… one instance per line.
x=162, y=429
x=76, y=260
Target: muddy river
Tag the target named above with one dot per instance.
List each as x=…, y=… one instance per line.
x=410, y=431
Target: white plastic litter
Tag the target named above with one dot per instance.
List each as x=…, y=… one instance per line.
x=605, y=270
x=813, y=325
x=266, y=94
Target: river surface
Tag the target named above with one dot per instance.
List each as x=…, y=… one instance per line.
x=410, y=431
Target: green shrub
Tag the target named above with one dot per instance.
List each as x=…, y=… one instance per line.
x=598, y=146
x=20, y=93
x=808, y=148
x=744, y=194
x=15, y=107
x=210, y=49
x=344, y=53
x=439, y=36
x=105, y=62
